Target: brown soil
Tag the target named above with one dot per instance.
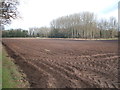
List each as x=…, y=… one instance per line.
x=52, y=63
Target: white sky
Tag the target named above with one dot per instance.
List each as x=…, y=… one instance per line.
x=38, y=13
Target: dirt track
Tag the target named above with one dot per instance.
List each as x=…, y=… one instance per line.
x=66, y=63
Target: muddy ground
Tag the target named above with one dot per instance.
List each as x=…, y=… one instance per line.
x=53, y=63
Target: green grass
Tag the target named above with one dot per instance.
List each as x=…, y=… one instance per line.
x=0, y=66
x=11, y=77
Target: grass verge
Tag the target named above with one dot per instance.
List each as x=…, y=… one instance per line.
x=0, y=66
x=11, y=75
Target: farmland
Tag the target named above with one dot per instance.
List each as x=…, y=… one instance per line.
x=53, y=63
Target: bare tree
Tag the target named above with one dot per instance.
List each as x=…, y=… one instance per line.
x=8, y=11
x=39, y=32
x=80, y=25
x=113, y=27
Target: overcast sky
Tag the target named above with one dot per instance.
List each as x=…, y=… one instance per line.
x=38, y=13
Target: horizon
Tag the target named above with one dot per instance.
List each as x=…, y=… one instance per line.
x=43, y=12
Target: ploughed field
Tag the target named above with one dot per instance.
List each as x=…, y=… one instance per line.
x=53, y=63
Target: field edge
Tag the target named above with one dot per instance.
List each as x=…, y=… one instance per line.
x=12, y=76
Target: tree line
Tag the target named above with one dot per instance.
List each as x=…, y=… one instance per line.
x=15, y=33
x=39, y=32
x=80, y=25
x=83, y=25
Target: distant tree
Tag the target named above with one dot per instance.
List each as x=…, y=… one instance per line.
x=113, y=27
x=15, y=33
x=83, y=25
x=39, y=32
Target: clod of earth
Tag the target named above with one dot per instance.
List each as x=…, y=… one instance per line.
x=72, y=63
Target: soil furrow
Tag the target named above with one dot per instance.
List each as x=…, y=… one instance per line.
x=63, y=63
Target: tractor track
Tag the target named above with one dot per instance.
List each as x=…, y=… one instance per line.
x=59, y=65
